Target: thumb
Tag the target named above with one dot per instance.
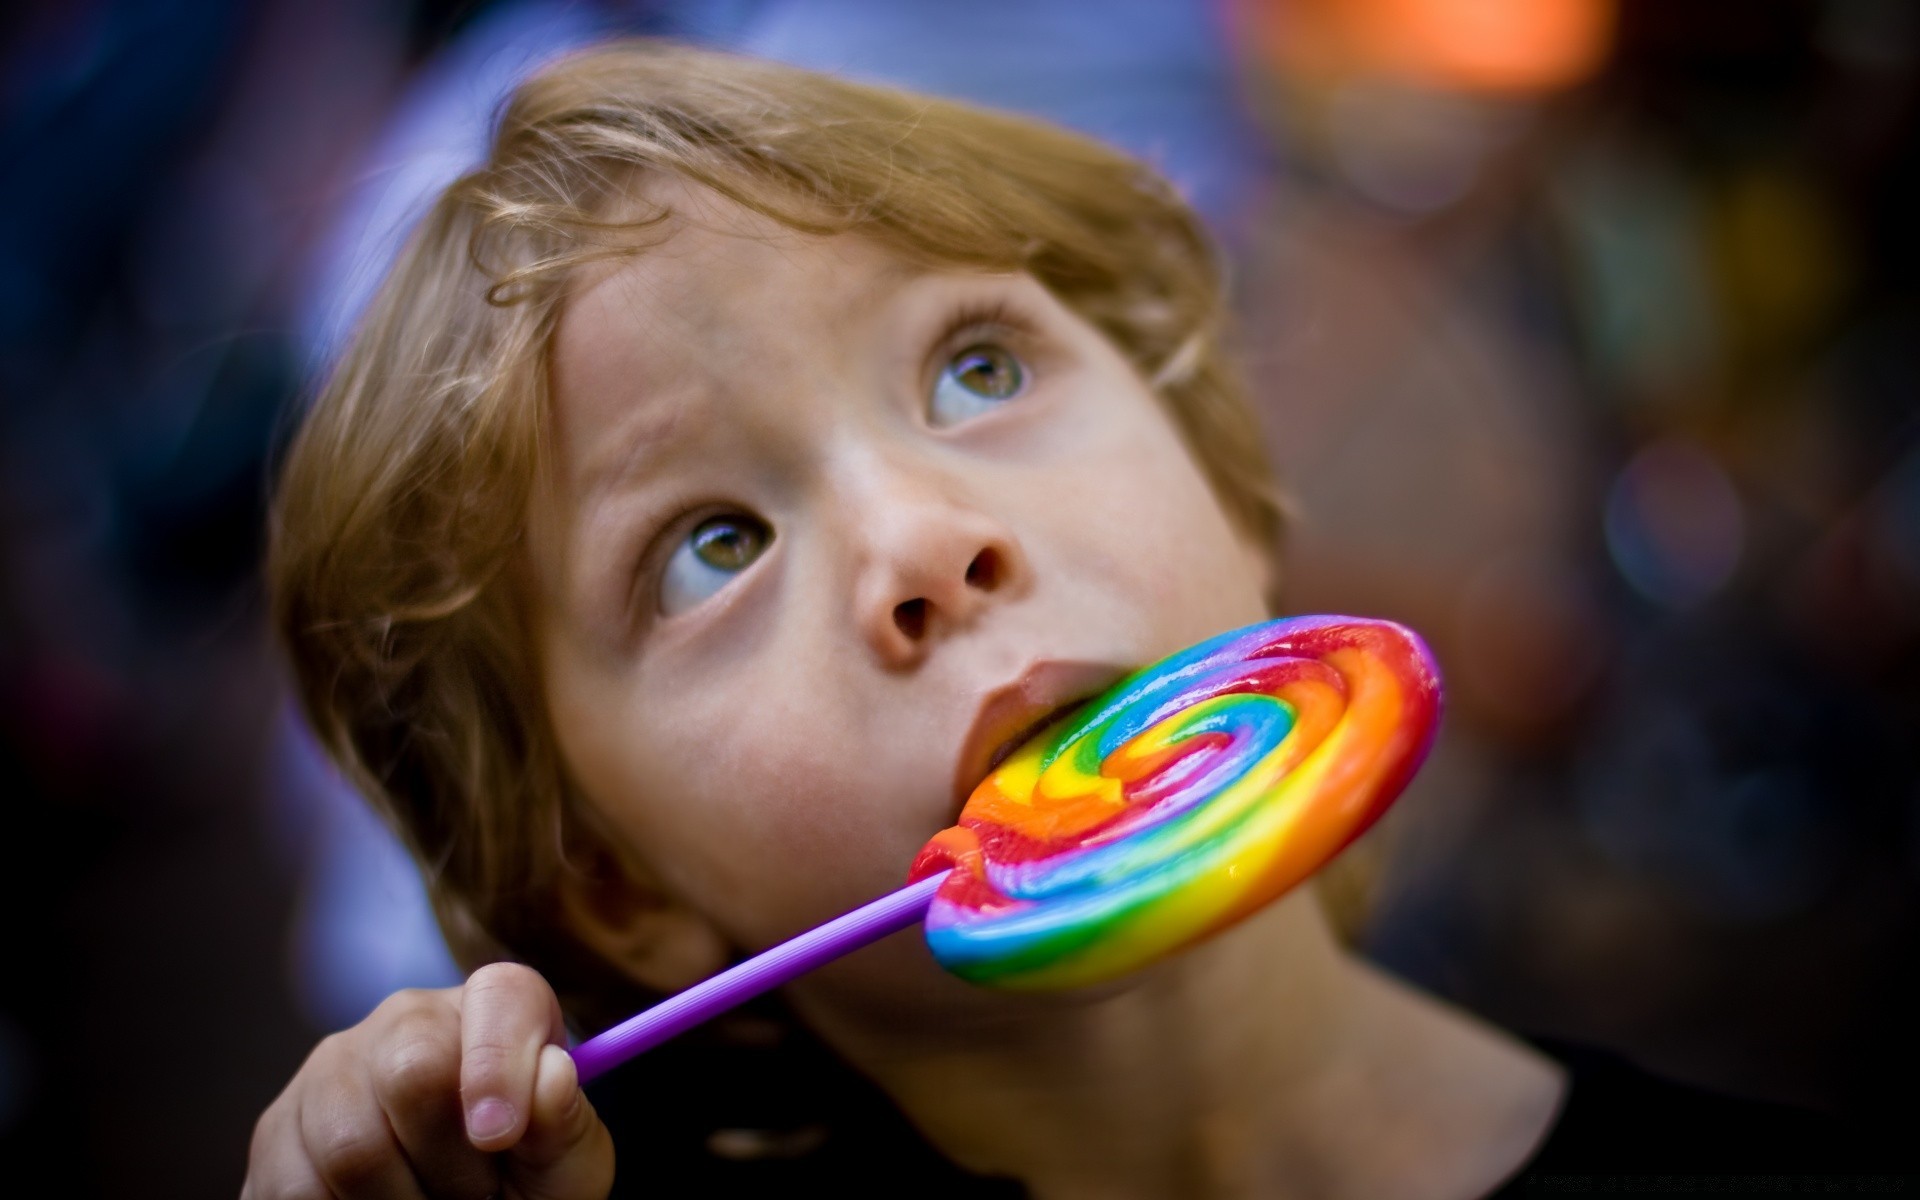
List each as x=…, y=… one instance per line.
x=567, y=1153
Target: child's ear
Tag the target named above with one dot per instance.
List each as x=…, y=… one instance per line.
x=659, y=943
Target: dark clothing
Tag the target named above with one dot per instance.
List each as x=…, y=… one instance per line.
x=707, y=1115
x=703, y=1117
x=1621, y=1128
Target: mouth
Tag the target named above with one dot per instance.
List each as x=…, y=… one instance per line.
x=1009, y=716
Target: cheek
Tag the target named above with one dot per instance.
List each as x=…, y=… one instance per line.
x=1162, y=534
x=741, y=805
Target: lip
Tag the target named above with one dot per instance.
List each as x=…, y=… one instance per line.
x=1010, y=714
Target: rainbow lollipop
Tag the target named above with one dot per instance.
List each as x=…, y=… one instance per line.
x=1187, y=797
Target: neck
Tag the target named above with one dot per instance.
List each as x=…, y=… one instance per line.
x=1266, y=1061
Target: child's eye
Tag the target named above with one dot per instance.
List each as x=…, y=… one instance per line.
x=975, y=380
x=718, y=549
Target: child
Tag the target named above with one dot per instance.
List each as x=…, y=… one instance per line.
x=728, y=464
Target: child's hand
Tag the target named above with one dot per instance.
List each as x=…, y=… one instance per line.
x=459, y=1092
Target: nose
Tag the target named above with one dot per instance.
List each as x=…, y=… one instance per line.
x=931, y=565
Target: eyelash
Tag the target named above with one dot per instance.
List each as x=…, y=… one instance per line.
x=973, y=319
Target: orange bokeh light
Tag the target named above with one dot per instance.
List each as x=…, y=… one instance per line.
x=1504, y=46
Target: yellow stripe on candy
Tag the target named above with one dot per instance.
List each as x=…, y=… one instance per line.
x=1193, y=794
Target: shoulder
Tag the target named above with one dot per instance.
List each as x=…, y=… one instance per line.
x=1618, y=1118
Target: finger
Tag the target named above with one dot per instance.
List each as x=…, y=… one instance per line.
x=567, y=1153
x=277, y=1164
x=352, y=1150
x=507, y=1012
x=415, y=1078
x=291, y=1179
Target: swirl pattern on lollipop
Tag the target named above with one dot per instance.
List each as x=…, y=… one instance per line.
x=1187, y=797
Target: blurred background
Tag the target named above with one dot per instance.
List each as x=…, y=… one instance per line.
x=1586, y=334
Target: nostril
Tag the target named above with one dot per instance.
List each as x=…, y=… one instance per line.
x=910, y=617
x=984, y=571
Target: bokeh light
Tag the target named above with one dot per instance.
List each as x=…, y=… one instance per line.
x=1674, y=523
x=1505, y=46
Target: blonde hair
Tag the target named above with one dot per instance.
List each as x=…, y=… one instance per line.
x=401, y=504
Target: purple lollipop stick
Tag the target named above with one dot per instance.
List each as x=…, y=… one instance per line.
x=763, y=972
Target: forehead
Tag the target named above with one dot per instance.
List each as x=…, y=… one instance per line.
x=724, y=284
x=723, y=298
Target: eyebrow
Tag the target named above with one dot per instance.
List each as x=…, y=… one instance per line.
x=596, y=532
x=653, y=433
x=596, y=540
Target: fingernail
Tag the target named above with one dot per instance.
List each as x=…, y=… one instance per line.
x=489, y=1119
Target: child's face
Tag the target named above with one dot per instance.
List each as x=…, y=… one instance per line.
x=824, y=530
